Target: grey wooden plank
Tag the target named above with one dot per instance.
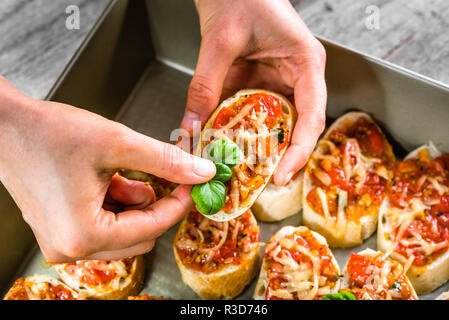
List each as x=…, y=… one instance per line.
x=35, y=45
x=412, y=33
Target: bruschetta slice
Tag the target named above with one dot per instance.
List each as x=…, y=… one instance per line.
x=104, y=280
x=297, y=265
x=261, y=123
x=161, y=187
x=276, y=203
x=41, y=287
x=414, y=219
x=371, y=275
x=217, y=259
x=345, y=180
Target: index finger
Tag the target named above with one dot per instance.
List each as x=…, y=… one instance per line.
x=310, y=101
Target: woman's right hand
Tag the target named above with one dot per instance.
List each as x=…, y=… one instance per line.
x=59, y=162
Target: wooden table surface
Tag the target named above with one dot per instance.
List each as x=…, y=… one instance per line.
x=35, y=45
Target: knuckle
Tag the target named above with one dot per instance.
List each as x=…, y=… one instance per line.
x=174, y=158
x=73, y=246
x=200, y=93
x=320, y=52
x=320, y=121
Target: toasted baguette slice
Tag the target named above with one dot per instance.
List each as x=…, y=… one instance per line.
x=430, y=275
x=371, y=275
x=218, y=278
x=128, y=280
x=41, y=287
x=161, y=187
x=303, y=256
x=344, y=227
x=277, y=203
x=443, y=296
x=240, y=198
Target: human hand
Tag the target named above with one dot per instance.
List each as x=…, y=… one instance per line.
x=59, y=163
x=260, y=44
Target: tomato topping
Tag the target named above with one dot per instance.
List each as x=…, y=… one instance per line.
x=224, y=116
x=263, y=115
x=358, y=269
x=366, y=277
x=339, y=169
x=276, y=270
x=241, y=237
x=414, y=179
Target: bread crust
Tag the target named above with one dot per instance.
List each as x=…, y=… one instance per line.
x=356, y=231
x=262, y=282
x=228, y=283
x=38, y=278
x=277, y=203
x=425, y=279
x=287, y=107
x=131, y=286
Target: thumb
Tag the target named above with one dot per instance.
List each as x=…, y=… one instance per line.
x=215, y=58
x=139, y=152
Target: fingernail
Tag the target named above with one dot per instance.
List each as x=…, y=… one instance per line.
x=189, y=119
x=204, y=168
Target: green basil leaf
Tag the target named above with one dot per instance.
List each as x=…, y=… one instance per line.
x=347, y=295
x=343, y=295
x=224, y=173
x=224, y=151
x=209, y=197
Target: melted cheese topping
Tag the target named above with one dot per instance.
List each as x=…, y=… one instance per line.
x=295, y=267
x=96, y=277
x=355, y=166
x=207, y=245
x=33, y=288
x=256, y=134
x=377, y=277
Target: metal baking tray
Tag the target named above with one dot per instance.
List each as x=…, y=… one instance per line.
x=135, y=67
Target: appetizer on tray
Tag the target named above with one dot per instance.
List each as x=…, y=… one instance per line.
x=345, y=180
x=41, y=287
x=297, y=265
x=414, y=219
x=104, y=280
x=246, y=137
x=217, y=259
x=371, y=275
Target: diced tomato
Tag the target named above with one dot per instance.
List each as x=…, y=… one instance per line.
x=338, y=178
x=376, y=142
x=358, y=269
x=223, y=117
x=95, y=277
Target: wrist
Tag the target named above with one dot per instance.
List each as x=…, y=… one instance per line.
x=14, y=105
